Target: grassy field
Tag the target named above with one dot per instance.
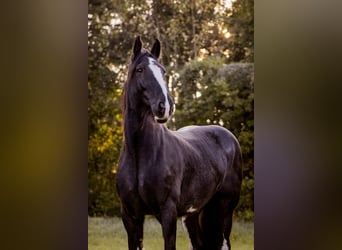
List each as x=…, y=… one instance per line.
x=109, y=234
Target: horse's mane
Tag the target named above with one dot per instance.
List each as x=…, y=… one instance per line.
x=125, y=91
x=132, y=62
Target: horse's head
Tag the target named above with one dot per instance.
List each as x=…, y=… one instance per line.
x=146, y=75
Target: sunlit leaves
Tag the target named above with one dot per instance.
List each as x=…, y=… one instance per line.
x=241, y=28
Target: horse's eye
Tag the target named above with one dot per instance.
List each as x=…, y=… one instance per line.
x=140, y=70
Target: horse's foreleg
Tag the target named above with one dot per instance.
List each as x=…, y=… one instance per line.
x=134, y=229
x=168, y=220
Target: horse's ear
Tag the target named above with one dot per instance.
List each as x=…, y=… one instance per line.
x=137, y=46
x=156, y=49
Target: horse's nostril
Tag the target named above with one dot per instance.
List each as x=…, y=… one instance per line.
x=161, y=108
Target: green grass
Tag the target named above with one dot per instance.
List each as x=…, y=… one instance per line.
x=109, y=234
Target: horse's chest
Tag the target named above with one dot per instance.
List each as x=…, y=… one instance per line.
x=154, y=187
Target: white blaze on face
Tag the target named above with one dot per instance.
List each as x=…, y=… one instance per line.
x=156, y=70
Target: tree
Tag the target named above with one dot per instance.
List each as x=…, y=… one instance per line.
x=104, y=115
x=241, y=28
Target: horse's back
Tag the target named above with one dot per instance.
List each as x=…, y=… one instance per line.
x=216, y=136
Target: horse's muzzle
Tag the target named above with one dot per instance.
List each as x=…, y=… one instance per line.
x=161, y=113
x=161, y=109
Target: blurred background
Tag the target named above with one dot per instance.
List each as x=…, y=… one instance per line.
x=45, y=104
x=208, y=52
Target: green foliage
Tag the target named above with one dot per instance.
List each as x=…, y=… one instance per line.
x=104, y=115
x=241, y=27
x=188, y=30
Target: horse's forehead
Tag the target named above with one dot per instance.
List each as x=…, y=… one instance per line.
x=154, y=62
x=141, y=59
x=147, y=58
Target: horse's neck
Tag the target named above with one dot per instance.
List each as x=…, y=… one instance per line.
x=141, y=132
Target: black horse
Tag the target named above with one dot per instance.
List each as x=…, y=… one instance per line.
x=194, y=172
